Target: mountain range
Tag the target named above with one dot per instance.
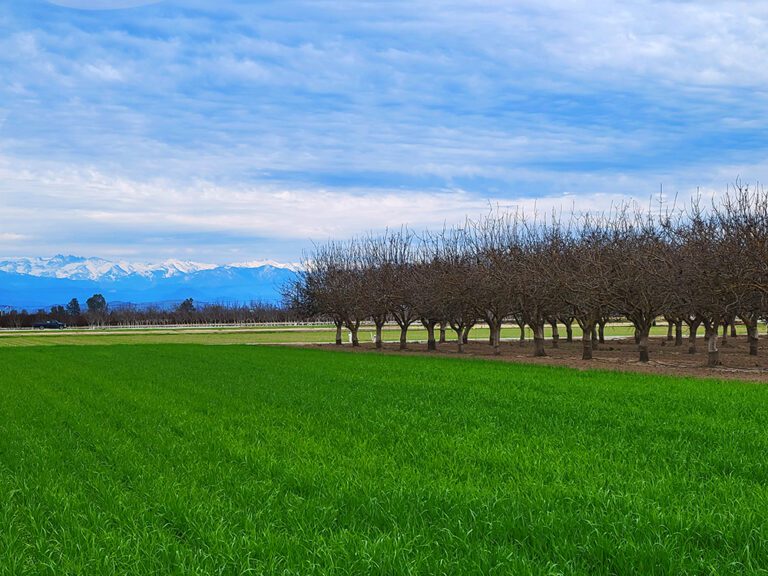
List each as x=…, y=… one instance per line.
x=33, y=283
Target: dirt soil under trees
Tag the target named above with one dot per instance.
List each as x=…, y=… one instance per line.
x=618, y=354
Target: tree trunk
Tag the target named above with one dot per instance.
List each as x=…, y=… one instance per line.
x=713, y=354
x=522, y=331
x=431, y=344
x=586, y=342
x=538, y=340
x=643, y=333
x=725, y=334
x=637, y=336
x=403, y=337
x=601, y=331
x=379, y=343
x=555, y=335
x=495, y=335
x=754, y=341
x=733, y=329
x=670, y=328
x=353, y=327
x=459, y=340
x=465, y=334
x=442, y=332
x=679, y=333
x=338, y=332
x=569, y=331
x=491, y=333
x=750, y=322
x=693, y=327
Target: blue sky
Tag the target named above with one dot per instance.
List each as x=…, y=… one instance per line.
x=231, y=130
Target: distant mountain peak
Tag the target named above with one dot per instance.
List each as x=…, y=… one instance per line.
x=98, y=269
x=42, y=282
x=292, y=266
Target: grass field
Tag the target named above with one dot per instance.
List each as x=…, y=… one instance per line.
x=187, y=459
x=271, y=335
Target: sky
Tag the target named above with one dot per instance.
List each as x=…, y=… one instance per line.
x=237, y=130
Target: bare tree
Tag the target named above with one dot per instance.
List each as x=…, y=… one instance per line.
x=641, y=265
x=743, y=217
x=397, y=273
x=585, y=268
x=492, y=290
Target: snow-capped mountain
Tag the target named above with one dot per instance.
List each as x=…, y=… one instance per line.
x=42, y=282
x=78, y=268
x=293, y=266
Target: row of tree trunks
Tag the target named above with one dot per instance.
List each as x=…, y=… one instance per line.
x=590, y=336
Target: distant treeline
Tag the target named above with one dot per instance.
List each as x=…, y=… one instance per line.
x=97, y=312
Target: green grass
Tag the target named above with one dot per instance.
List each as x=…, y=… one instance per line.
x=233, y=460
x=253, y=336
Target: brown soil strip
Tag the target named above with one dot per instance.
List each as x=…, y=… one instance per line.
x=618, y=354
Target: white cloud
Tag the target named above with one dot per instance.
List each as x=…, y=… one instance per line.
x=300, y=120
x=103, y=71
x=61, y=207
x=12, y=237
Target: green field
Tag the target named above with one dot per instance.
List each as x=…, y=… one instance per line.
x=265, y=335
x=186, y=459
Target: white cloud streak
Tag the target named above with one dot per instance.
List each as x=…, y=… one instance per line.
x=54, y=210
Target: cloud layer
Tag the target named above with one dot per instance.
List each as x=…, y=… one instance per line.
x=245, y=130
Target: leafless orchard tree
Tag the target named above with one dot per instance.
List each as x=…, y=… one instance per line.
x=376, y=282
x=586, y=270
x=455, y=271
x=641, y=265
x=707, y=289
x=493, y=293
x=326, y=285
x=428, y=292
x=743, y=217
x=398, y=276
x=534, y=276
x=696, y=267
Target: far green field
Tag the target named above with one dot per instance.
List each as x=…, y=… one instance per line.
x=262, y=335
x=186, y=459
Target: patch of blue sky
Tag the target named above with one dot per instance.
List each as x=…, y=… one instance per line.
x=331, y=105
